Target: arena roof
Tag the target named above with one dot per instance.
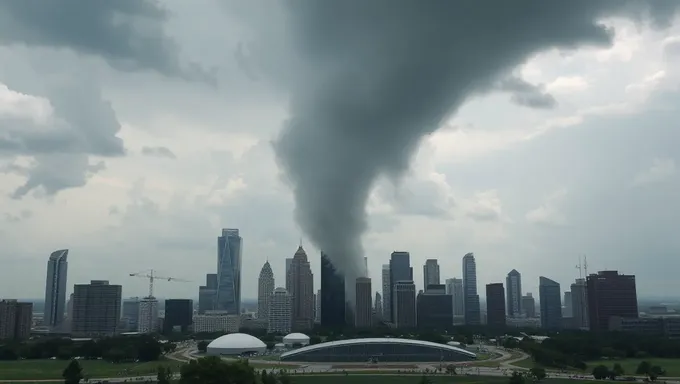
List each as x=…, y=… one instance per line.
x=237, y=341
x=377, y=340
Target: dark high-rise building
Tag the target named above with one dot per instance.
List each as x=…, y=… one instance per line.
x=55, y=288
x=579, y=304
x=610, y=294
x=529, y=306
x=400, y=270
x=332, y=295
x=363, y=310
x=15, y=320
x=434, y=308
x=96, y=309
x=551, y=303
x=179, y=314
x=471, y=297
x=513, y=286
x=404, y=304
x=567, y=311
x=300, y=286
x=229, y=255
x=207, y=294
x=495, y=305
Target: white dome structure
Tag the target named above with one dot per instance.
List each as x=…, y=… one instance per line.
x=235, y=344
x=296, y=338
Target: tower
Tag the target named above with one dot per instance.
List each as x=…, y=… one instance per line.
x=265, y=287
x=300, y=286
x=513, y=285
x=471, y=298
x=55, y=288
x=229, y=255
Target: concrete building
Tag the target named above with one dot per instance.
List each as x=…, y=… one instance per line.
x=471, y=298
x=363, y=311
x=665, y=326
x=550, y=298
x=229, y=256
x=567, y=309
x=130, y=316
x=207, y=294
x=434, y=308
x=280, y=312
x=179, y=315
x=16, y=319
x=55, y=288
x=495, y=305
x=529, y=306
x=377, y=307
x=265, y=287
x=386, y=291
x=579, y=304
x=148, y=315
x=430, y=273
x=610, y=294
x=400, y=270
x=404, y=304
x=317, y=307
x=96, y=309
x=332, y=295
x=289, y=262
x=454, y=287
x=216, y=321
x=300, y=286
x=513, y=285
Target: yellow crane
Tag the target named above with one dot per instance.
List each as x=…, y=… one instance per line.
x=151, y=275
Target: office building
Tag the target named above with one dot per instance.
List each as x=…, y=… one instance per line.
x=513, y=285
x=317, y=307
x=365, y=266
x=579, y=304
x=610, y=294
x=363, y=311
x=130, y=317
x=454, y=287
x=216, y=321
x=148, y=315
x=55, y=288
x=179, y=314
x=567, y=309
x=300, y=287
x=495, y=305
x=280, y=306
x=386, y=290
x=430, y=273
x=550, y=298
x=16, y=319
x=404, y=304
x=96, y=309
x=434, y=308
x=529, y=306
x=377, y=306
x=332, y=295
x=207, y=294
x=471, y=308
x=265, y=287
x=229, y=256
x=400, y=270
x=289, y=261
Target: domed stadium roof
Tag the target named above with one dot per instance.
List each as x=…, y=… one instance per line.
x=296, y=338
x=234, y=344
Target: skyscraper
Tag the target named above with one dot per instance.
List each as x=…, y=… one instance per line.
x=317, y=307
x=332, y=295
x=430, y=273
x=363, y=311
x=400, y=270
x=529, y=306
x=579, y=304
x=96, y=309
x=265, y=287
x=454, y=287
x=289, y=261
x=495, y=305
x=404, y=304
x=279, y=312
x=207, y=294
x=386, y=290
x=513, y=285
x=567, y=311
x=130, y=314
x=550, y=298
x=229, y=255
x=610, y=294
x=55, y=288
x=434, y=308
x=471, y=306
x=300, y=286
x=15, y=320
x=148, y=315
x=179, y=314
x=377, y=306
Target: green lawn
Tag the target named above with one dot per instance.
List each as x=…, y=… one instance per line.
x=413, y=379
x=672, y=366
x=52, y=369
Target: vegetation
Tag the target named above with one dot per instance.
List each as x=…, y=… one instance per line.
x=73, y=373
x=54, y=369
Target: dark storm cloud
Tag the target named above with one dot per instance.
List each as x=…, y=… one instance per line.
x=128, y=34
x=370, y=79
x=527, y=95
x=158, y=152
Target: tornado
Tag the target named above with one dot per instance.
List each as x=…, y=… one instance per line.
x=368, y=80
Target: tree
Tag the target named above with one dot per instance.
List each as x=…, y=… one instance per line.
x=213, y=370
x=164, y=375
x=451, y=369
x=425, y=380
x=73, y=373
x=517, y=378
x=538, y=373
x=654, y=372
x=643, y=368
x=618, y=370
x=600, y=372
x=202, y=346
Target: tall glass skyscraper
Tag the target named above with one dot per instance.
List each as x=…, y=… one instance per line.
x=229, y=251
x=332, y=295
x=400, y=270
x=55, y=288
x=471, y=303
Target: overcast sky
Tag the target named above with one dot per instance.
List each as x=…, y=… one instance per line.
x=132, y=134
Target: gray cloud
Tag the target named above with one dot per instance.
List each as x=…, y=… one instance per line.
x=527, y=95
x=158, y=152
x=367, y=85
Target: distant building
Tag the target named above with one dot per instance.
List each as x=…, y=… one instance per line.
x=434, y=308
x=454, y=287
x=265, y=287
x=363, y=310
x=16, y=319
x=280, y=312
x=377, y=306
x=551, y=303
x=513, y=285
x=148, y=315
x=317, y=307
x=610, y=294
x=495, y=305
x=471, y=306
x=567, y=310
x=529, y=306
x=667, y=327
x=207, y=294
x=216, y=321
x=386, y=291
x=300, y=286
x=179, y=315
x=430, y=272
x=404, y=304
x=55, y=288
x=229, y=256
x=130, y=316
x=400, y=270
x=332, y=295
x=96, y=309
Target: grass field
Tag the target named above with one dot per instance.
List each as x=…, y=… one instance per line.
x=672, y=366
x=414, y=379
x=52, y=369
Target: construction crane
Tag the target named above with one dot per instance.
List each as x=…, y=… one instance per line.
x=151, y=275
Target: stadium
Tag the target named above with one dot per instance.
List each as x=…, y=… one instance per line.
x=378, y=350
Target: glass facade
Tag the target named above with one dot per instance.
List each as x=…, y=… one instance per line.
x=229, y=248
